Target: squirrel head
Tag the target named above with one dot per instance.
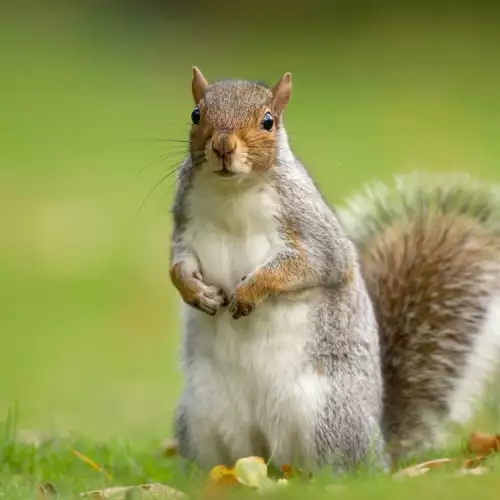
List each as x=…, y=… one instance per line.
x=235, y=125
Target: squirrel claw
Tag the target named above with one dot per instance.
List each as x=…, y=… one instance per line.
x=240, y=309
x=209, y=299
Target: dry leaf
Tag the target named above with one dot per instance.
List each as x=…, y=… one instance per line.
x=411, y=472
x=289, y=472
x=170, y=448
x=483, y=443
x=438, y=463
x=471, y=463
x=424, y=467
x=153, y=490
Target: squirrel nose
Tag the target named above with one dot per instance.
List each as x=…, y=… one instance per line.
x=223, y=146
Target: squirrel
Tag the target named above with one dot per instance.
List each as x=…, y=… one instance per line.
x=320, y=337
x=280, y=344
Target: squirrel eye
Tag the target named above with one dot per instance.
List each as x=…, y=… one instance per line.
x=267, y=122
x=195, y=115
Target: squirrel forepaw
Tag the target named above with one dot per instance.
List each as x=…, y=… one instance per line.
x=209, y=299
x=242, y=301
x=204, y=297
x=239, y=308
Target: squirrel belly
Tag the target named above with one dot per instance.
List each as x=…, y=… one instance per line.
x=246, y=375
x=430, y=254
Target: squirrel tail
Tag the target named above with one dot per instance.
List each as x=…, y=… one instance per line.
x=429, y=248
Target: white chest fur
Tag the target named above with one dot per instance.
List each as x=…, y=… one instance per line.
x=233, y=232
x=250, y=380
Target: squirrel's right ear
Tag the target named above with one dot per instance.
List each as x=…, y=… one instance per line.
x=282, y=92
x=198, y=85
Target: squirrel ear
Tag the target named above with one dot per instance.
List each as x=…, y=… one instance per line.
x=282, y=92
x=198, y=85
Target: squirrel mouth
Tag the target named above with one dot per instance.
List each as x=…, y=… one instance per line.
x=224, y=172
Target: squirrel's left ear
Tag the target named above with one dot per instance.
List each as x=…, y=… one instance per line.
x=282, y=92
x=198, y=85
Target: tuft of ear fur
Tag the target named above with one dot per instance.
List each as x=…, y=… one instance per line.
x=282, y=92
x=198, y=85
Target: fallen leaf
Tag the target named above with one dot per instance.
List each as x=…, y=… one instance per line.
x=90, y=462
x=153, y=490
x=222, y=477
x=483, y=443
x=411, y=472
x=471, y=463
x=250, y=472
x=438, y=463
x=170, y=448
x=424, y=467
x=289, y=472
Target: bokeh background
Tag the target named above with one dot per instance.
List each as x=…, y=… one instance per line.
x=89, y=321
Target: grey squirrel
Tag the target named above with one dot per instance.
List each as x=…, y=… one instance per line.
x=310, y=337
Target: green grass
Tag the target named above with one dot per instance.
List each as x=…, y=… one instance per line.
x=88, y=319
x=25, y=467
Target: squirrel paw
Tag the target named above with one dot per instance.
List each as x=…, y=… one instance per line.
x=240, y=302
x=207, y=298
x=239, y=309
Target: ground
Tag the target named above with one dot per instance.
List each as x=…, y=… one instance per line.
x=89, y=320
x=26, y=467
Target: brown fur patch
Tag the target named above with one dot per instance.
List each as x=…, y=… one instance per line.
x=186, y=285
x=282, y=276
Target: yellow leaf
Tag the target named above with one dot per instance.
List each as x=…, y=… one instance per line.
x=221, y=477
x=90, y=462
x=251, y=471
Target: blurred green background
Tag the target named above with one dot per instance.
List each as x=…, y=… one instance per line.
x=89, y=321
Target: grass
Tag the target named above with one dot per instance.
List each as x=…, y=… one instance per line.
x=88, y=319
x=25, y=467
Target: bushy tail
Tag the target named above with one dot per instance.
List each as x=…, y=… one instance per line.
x=429, y=246
x=380, y=205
